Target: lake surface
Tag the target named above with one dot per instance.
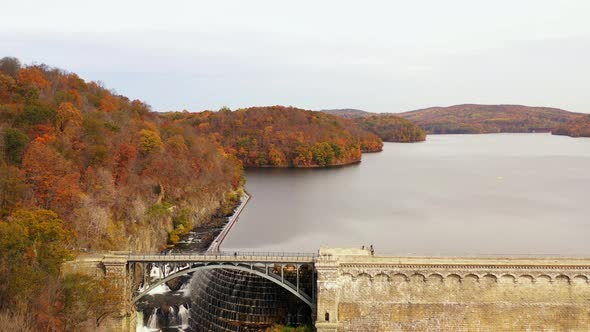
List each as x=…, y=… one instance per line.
x=451, y=195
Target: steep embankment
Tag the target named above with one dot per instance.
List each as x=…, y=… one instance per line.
x=389, y=127
x=479, y=119
x=103, y=162
x=83, y=169
x=579, y=127
x=278, y=136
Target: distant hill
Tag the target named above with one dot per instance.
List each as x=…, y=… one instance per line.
x=579, y=127
x=482, y=119
x=349, y=113
x=389, y=127
x=479, y=119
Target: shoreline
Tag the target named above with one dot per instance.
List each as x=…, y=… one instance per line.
x=307, y=167
x=214, y=246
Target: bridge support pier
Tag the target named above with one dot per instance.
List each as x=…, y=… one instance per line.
x=116, y=271
x=112, y=267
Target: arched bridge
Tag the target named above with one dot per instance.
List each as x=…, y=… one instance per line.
x=292, y=271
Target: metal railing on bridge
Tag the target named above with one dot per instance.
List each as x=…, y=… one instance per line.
x=229, y=256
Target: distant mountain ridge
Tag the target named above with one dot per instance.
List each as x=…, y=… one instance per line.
x=580, y=127
x=480, y=119
x=349, y=113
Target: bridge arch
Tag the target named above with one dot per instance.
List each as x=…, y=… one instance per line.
x=270, y=276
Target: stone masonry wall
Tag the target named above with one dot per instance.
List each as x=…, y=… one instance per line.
x=112, y=266
x=360, y=292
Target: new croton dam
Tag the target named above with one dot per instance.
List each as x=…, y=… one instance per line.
x=349, y=289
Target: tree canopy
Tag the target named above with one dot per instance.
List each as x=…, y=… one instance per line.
x=479, y=119
x=391, y=128
x=83, y=168
x=579, y=127
x=278, y=136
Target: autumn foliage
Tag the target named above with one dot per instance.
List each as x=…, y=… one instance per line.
x=479, y=119
x=33, y=246
x=278, y=136
x=391, y=128
x=579, y=127
x=83, y=168
x=102, y=161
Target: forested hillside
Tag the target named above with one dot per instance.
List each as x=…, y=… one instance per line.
x=579, y=127
x=82, y=168
x=278, y=136
x=479, y=119
x=101, y=161
x=389, y=127
x=349, y=113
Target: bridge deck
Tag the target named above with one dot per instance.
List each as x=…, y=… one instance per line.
x=238, y=257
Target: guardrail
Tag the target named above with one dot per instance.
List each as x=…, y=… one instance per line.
x=390, y=253
x=227, y=227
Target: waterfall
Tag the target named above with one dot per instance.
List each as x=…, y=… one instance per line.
x=159, y=271
x=172, y=317
x=185, y=288
x=160, y=289
x=153, y=320
x=156, y=272
x=183, y=314
x=143, y=287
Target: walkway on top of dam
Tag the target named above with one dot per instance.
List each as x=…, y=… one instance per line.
x=351, y=255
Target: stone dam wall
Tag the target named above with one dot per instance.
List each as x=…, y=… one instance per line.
x=361, y=292
x=357, y=291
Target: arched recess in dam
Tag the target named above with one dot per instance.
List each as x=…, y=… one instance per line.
x=235, y=298
x=285, y=284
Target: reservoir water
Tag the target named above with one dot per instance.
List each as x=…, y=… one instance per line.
x=495, y=194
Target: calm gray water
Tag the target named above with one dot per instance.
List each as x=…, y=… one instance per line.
x=451, y=195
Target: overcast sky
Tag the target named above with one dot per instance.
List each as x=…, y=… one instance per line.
x=380, y=56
